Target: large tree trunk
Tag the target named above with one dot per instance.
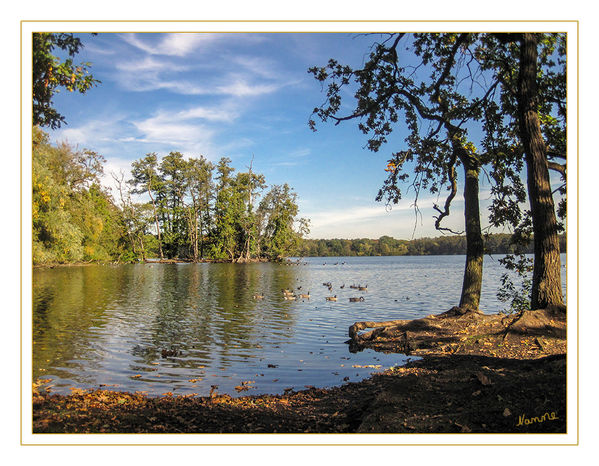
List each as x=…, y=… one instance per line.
x=473, y=272
x=546, y=285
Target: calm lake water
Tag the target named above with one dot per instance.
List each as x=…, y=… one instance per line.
x=183, y=328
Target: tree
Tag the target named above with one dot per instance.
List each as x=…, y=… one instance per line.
x=73, y=216
x=135, y=218
x=248, y=188
x=278, y=210
x=518, y=106
x=226, y=206
x=50, y=74
x=547, y=284
x=173, y=187
x=531, y=68
x=198, y=173
x=387, y=91
x=194, y=215
x=145, y=179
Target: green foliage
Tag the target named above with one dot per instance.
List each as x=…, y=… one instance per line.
x=50, y=74
x=516, y=296
x=188, y=215
x=499, y=56
x=74, y=219
x=499, y=243
x=230, y=218
x=435, y=110
x=278, y=210
x=446, y=87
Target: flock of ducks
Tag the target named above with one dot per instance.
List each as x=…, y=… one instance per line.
x=290, y=295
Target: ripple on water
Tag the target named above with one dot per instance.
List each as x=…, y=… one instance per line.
x=185, y=328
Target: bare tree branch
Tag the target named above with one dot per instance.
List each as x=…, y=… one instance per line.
x=557, y=167
x=454, y=190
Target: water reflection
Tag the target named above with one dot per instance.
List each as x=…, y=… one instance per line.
x=185, y=327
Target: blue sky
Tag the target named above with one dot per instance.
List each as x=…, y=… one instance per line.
x=241, y=95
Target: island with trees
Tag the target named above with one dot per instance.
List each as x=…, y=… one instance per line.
x=195, y=210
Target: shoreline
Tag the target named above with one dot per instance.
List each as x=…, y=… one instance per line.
x=157, y=261
x=435, y=394
x=463, y=386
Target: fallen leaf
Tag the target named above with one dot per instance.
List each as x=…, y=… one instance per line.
x=483, y=379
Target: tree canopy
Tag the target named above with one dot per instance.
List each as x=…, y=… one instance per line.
x=74, y=217
x=450, y=93
x=495, y=244
x=51, y=73
x=172, y=207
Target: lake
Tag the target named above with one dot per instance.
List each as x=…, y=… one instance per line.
x=183, y=328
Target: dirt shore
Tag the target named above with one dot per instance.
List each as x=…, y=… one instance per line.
x=478, y=373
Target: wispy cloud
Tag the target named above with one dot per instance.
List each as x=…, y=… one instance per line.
x=94, y=133
x=240, y=86
x=98, y=50
x=189, y=130
x=149, y=64
x=293, y=158
x=343, y=216
x=180, y=44
x=172, y=62
x=223, y=113
x=149, y=74
x=179, y=134
x=258, y=66
x=228, y=85
x=300, y=153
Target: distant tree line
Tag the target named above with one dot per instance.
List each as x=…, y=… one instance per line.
x=174, y=207
x=499, y=243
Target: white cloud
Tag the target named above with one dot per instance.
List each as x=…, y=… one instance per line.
x=237, y=75
x=262, y=67
x=233, y=86
x=160, y=129
x=292, y=158
x=190, y=130
x=153, y=75
x=91, y=47
x=92, y=133
x=180, y=44
x=299, y=153
x=223, y=113
x=340, y=217
x=148, y=64
x=186, y=130
x=119, y=167
x=241, y=87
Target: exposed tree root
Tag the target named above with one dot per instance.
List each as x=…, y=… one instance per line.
x=533, y=333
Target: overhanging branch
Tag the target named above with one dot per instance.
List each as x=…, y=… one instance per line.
x=557, y=167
